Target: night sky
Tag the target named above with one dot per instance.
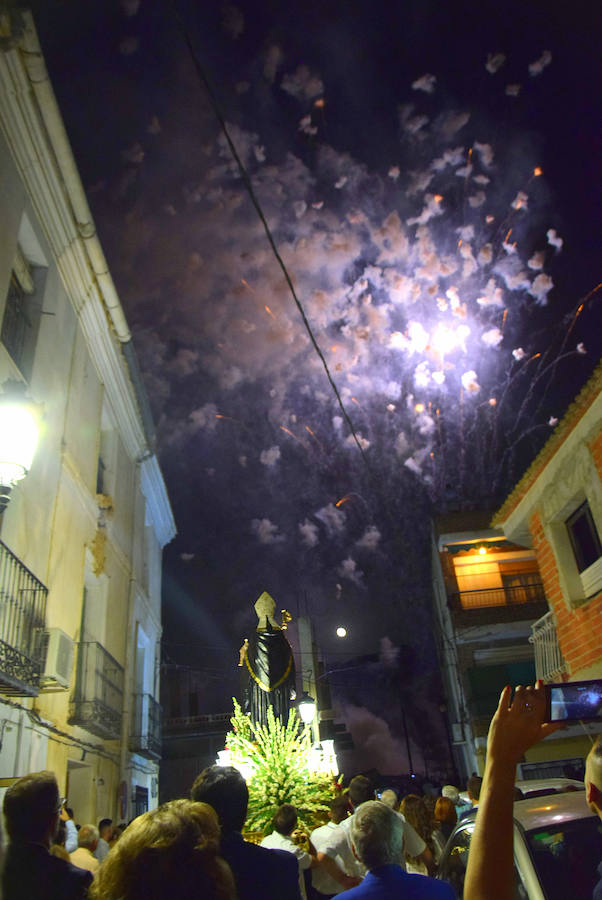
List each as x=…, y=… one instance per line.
x=395, y=150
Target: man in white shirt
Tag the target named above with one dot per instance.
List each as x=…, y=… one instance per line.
x=87, y=839
x=105, y=830
x=352, y=871
x=71, y=839
x=324, y=884
x=284, y=822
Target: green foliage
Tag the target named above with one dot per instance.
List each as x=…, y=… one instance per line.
x=280, y=757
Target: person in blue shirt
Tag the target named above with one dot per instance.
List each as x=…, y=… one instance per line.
x=377, y=840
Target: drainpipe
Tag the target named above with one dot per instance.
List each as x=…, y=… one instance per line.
x=40, y=82
x=130, y=657
x=130, y=660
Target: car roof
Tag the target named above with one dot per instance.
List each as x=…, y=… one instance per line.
x=529, y=785
x=555, y=784
x=538, y=812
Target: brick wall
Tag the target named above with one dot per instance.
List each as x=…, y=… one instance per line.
x=579, y=630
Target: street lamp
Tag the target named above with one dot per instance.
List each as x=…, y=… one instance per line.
x=307, y=708
x=19, y=433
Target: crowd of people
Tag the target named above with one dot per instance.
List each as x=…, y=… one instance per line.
x=369, y=849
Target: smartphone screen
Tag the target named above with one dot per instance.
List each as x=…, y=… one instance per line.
x=574, y=701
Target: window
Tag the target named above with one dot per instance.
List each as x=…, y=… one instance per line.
x=16, y=322
x=140, y=799
x=106, y=472
x=565, y=855
x=100, y=476
x=584, y=537
x=523, y=587
x=573, y=536
x=94, y=607
x=21, y=319
x=487, y=682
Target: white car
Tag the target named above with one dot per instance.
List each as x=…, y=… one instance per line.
x=557, y=848
x=539, y=787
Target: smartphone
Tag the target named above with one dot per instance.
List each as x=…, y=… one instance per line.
x=574, y=701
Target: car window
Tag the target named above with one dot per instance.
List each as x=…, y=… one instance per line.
x=453, y=864
x=545, y=792
x=566, y=857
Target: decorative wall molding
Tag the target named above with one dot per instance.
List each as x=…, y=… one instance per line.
x=556, y=470
x=22, y=123
x=74, y=482
x=153, y=488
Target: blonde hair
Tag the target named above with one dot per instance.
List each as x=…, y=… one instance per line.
x=389, y=798
x=593, y=763
x=170, y=851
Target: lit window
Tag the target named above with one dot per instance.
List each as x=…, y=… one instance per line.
x=584, y=537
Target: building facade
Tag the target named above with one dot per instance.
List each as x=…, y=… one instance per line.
x=192, y=737
x=81, y=538
x=557, y=509
x=487, y=593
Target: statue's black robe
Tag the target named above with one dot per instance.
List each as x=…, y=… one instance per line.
x=270, y=667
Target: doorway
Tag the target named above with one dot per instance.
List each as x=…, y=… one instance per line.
x=79, y=791
x=140, y=800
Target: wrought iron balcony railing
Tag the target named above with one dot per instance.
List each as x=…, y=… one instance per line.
x=497, y=605
x=22, y=621
x=549, y=662
x=146, y=727
x=501, y=596
x=212, y=722
x=97, y=703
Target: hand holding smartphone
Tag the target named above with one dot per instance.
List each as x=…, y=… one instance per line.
x=574, y=701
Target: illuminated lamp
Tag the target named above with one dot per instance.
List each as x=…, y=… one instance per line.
x=341, y=632
x=19, y=432
x=307, y=708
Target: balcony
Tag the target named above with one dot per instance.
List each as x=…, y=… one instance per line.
x=22, y=621
x=97, y=703
x=499, y=604
x=146, y=728
x=204, y=724
x=549, y=663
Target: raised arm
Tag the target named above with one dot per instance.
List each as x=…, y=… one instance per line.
x=334, y=870
x=515, y=727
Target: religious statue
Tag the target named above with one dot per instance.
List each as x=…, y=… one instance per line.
x=268, y=659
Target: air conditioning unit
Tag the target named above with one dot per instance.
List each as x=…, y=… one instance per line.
x=59, y=661
x=458, y=735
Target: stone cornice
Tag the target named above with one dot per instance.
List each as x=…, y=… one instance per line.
x=153, y=488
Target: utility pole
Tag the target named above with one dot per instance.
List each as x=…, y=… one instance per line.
x=405, y=731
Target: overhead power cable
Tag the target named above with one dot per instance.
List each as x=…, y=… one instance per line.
x=254, y=200
x=58, y=735
x=411, y=562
